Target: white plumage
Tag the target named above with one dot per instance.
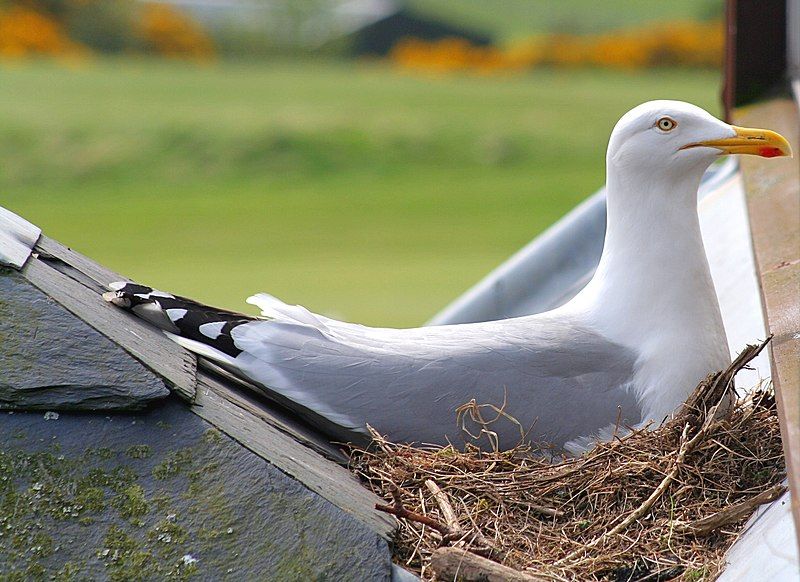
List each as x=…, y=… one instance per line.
x=625, y=351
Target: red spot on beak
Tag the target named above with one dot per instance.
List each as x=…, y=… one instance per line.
x=770, y=152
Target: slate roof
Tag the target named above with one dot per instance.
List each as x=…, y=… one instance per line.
x=95, y=395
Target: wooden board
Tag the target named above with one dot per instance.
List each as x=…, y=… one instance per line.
x=255, y=400
x=76, y=282
x=773, y=201
x=238, y=416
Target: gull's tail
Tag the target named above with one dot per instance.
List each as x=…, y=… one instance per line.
x=202, y=329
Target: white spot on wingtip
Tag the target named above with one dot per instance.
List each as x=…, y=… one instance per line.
x=117, y=285
x=175, y=314
x=211, y=330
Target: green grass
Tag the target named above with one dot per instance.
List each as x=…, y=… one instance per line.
x=513, y=19
x=349, y=188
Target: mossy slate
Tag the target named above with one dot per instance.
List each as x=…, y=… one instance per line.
x=159, y=495
x=52, y=360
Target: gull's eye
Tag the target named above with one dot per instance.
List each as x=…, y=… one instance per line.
x=666, y=124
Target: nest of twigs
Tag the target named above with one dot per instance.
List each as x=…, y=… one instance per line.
x=656, y=504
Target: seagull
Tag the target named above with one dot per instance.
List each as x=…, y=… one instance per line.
x=625, y=352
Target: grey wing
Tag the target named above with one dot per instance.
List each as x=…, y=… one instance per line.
x=559, y=380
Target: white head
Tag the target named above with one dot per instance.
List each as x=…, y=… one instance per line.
x=681, y=139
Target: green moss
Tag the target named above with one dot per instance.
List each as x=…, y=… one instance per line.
x=197, y=478
x=212, y=436
x=41, y=545
x=694, y=574
x=131, y=502
x=38, y=488
x=167, y=533
x=68, y=572
x=35, y=571
x=124, y=559
x=116, y=479
x=139, y=451
x=175, y=463
x=103, y=453
x=158, y=557
x=303, y=564
x=91, y=498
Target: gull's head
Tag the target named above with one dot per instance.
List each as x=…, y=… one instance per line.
x=677, y=137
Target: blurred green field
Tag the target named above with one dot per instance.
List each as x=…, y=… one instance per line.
x=513, y=19
x=353, y=189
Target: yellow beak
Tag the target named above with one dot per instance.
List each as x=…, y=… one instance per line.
x=759, y=142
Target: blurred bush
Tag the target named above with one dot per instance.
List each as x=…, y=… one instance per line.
x=25, y=31
x=680, y=43
x=71, y=27
x=171, y=33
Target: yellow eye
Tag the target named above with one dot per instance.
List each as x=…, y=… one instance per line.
x=666, y=124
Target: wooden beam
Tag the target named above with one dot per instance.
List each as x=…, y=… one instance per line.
x=253, y=399
x=76, y=282
x=773, y=201
x=238, y=416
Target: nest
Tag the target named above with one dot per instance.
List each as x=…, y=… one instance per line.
x=656, y=504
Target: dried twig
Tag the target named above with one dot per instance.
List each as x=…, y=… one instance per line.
x=457, y=564
x=732, y=513
x=448, y=513
x=400, y=511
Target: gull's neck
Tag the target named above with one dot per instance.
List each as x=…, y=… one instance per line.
x=652, y=289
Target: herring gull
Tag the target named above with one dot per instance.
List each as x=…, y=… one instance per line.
x=627, y=350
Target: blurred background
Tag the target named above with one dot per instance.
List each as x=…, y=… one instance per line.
x=369, y=159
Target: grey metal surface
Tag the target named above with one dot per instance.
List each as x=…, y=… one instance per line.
x=17, y=237
x=793, y=40
x=551, y=269
x=51, y=360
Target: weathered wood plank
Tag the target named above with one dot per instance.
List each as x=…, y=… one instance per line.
x=773, y=202
x=17, y=237
x=231, y=413
x=254, y=400
x=91, y=274
x=142, y=341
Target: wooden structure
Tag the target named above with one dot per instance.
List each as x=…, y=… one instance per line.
x=762, y=89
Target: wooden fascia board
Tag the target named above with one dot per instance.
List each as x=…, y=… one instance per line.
x=239, y=416
x=772, y=189
x=75, y=282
